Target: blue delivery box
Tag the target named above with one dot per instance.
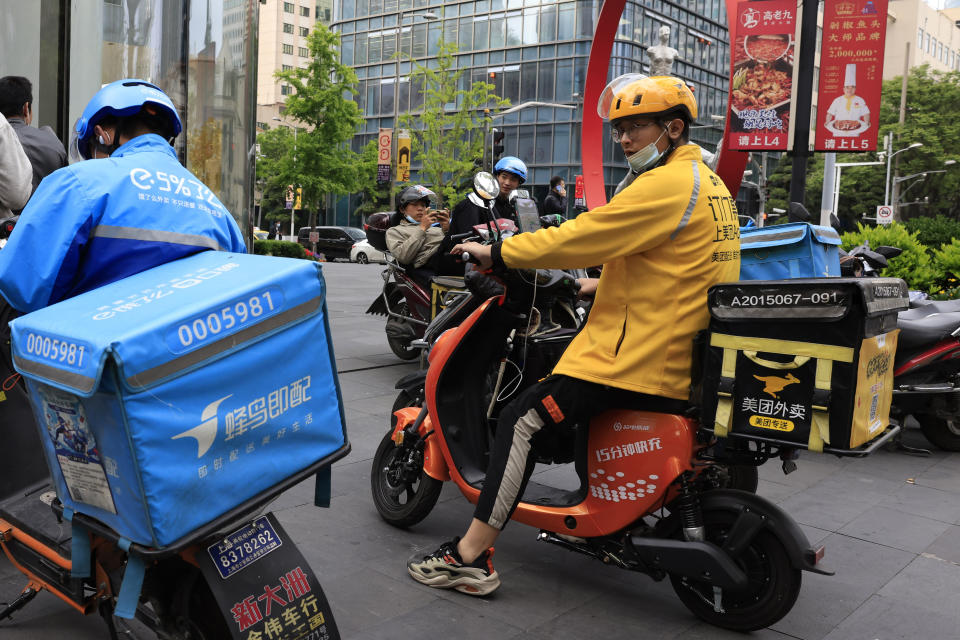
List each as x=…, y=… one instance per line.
x=785, y=251
x=170, y=397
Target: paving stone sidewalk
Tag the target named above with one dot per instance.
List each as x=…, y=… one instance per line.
x=890, y=523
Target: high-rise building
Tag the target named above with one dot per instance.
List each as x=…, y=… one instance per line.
x=934, y=37
x=531, y=50
x=284, y=27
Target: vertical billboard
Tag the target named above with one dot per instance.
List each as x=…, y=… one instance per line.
x=385, y=155
x=851, y=75
x=403, y=155
x=761, y=74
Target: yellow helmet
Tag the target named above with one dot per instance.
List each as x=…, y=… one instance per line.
x=634, y=94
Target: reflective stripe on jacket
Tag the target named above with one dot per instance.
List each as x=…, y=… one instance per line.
x=663, y=241
x=99, y=221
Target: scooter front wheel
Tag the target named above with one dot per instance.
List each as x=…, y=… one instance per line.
x=944, y=433
x=771, y=591
x=402, y=492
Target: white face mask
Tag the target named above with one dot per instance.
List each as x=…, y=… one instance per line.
x=646, y=157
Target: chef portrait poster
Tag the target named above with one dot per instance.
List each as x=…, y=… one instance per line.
x=851, y=75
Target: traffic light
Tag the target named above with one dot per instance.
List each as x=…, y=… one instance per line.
x=497, y=144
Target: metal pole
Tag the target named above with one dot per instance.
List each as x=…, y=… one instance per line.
x=762, y=186
x=903, y=113
x=888, y=140
x=829, y=182
x=396, y=105
x=835, y=205
x=801, y=135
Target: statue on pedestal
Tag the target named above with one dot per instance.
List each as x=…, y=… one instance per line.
x=662, y=55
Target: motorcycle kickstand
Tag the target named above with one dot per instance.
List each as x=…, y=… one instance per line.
x=22, y=600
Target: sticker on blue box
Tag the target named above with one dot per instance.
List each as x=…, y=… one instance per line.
x=76, y=448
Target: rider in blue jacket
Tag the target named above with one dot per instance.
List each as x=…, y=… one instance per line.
x=133, y=208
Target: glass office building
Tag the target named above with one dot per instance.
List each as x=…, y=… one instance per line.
x=531, y=50
x=201, y=53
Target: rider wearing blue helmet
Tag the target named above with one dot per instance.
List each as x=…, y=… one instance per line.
x=511, y=172
x=133, y=208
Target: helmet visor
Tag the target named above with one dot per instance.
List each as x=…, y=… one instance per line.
x=610, y=92
x=73, y=148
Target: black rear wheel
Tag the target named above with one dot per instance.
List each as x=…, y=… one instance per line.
x=362, y=258
x=773, y=584
x=402, y=492
x=744, y=477
x=400, y=344
x=944, y=433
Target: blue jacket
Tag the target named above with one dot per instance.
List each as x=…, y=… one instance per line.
x=99, y=221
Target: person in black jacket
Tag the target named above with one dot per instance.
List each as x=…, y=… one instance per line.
x=511, y=172
x=46, y=152
x=556, y=201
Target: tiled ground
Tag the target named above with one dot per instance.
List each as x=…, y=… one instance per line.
x=890, y=523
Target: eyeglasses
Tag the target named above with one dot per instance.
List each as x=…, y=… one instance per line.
x=629, y=130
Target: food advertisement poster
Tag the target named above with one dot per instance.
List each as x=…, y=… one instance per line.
x=851, y=75
x=761, y=74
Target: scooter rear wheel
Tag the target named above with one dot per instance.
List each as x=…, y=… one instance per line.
x=773, y=582
x=401, y=346
x=402, y=492
x=939, y=431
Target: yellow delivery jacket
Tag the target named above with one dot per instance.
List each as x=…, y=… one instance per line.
x=663, y=241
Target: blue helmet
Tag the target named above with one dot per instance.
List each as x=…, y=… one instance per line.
x=121, y=98
x=512, y=164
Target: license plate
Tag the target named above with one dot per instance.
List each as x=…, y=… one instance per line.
x=244, y=546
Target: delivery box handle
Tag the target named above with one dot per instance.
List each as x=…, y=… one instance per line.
x=798, y=361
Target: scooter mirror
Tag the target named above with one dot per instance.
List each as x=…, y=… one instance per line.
x=486, y=186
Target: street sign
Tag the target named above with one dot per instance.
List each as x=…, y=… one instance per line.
x=884, y=214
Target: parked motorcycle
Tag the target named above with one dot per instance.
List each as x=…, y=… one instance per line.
x=927, y=364
x=407, y=303
x=650, y=497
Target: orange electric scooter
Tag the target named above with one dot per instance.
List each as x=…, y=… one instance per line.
x=652, y=494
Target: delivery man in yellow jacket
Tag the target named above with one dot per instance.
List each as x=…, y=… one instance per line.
x=663, y=241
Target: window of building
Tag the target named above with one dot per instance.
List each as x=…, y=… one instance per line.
x=286, y=89
x=287, y=28
x=288, y=48
x=287, y=67
x=304, y=52
x=288, y=7
x=920, y=39
x=305, y=12
x=304, y=32
x=261, y=125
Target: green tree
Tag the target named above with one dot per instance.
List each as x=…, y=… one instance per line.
x=448, y=134
x=930, y=95
x=317, y=157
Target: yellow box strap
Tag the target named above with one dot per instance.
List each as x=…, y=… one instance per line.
x=820, y=420
x=783, y=347
x=724, y=415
